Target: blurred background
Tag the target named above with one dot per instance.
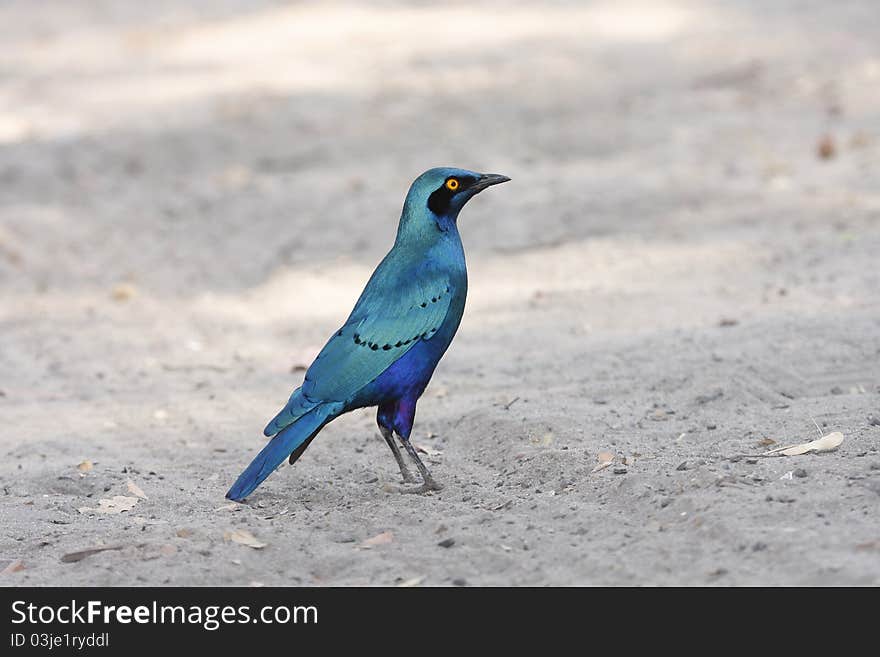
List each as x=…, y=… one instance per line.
x=192, y=195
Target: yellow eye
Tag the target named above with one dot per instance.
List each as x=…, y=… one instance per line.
x=452, y=184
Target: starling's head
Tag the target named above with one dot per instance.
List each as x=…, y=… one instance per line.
x=441, y=193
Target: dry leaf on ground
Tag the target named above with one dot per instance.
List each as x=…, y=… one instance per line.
x=244, y=537
x=544, y=441
x=82, y=554
x=428, y=450
x=378, y=539
x=134, y=489
x=605, y=459
x=13, y=567
x=116, y=504
x=413, y=581
x=824, y=444
x=123, y=292
x=85, y=466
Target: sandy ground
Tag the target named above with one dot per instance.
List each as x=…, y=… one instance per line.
x=193, y=194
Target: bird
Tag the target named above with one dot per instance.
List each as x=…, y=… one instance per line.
x=401, y=326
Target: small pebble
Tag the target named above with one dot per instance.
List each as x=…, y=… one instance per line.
x=826, y=149
x=682, y=466
x=620, y=470
x=800, y=472
x=447, y=542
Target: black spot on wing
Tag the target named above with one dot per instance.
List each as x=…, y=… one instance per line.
x=435, y=298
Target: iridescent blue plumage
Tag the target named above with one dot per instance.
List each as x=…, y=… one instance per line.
x=386, y=351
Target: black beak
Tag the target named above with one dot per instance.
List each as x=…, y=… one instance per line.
x=487, y=180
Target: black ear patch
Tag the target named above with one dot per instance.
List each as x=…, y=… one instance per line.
x=438, y=202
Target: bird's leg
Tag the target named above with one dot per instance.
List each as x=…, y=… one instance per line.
x=388, y=435
x=428, y=482
x=400, y=415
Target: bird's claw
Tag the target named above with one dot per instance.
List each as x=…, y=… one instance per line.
x=427, y=486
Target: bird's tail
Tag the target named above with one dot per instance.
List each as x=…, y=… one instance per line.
x=289, y=439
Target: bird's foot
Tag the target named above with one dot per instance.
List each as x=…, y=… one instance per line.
x=427, y=486
x=408, y=478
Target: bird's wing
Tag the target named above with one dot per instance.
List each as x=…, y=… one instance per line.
x=381, y=329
